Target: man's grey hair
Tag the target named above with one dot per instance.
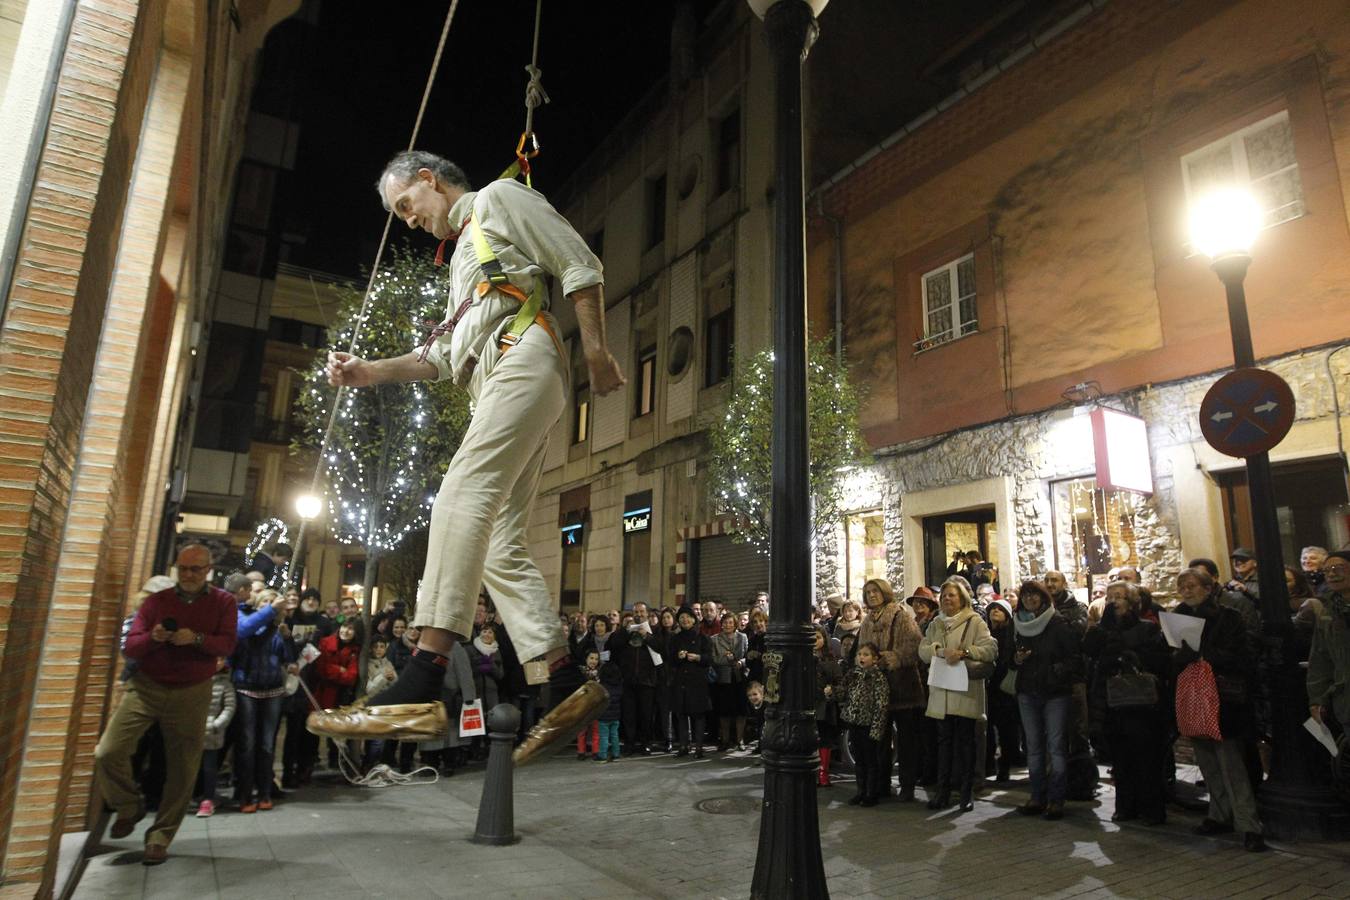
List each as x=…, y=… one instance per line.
x=405, y=166
x=1321, y=550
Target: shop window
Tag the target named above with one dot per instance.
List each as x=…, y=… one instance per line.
x=1094, y=529
x=573, y=537
x=946, y=535
x=728, y=174
x=863, y=551
x=1310, y=503
x=637, y=548
x=1259, y=158
x=949, y=302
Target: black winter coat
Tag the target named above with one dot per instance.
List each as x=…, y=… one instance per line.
x=1224, y=644
x=1117, y=646
x=1056, y=660
x=635, y=662
x=690, y=677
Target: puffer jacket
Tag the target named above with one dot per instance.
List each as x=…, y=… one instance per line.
x=892, y=628
x=220, y=712
x=338, y=665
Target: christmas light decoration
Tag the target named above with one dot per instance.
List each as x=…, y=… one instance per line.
x=392, y=442
x=740, y=463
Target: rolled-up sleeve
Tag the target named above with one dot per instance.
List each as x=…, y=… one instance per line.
x=438, y=354
x=511, y=212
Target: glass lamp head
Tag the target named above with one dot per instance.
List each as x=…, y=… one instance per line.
x=760, y=7
x=1225, y=223
x=308, y=506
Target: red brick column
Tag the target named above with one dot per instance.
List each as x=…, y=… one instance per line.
x=49, y=344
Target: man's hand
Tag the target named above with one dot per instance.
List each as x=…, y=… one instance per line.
x=345, y=370
x=606, y=376
x=158, y=634
x=182, y=637
x=279, y=604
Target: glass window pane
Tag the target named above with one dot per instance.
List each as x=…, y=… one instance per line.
x=1280, y=196
x=938, y=290
x=940, y=322
x=1211, y=168
x=965, y=277
x=968, y=314
x=1270, y=149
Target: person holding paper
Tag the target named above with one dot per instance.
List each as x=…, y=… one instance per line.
x=1048, y=662
x=1225, y=647
x=957, y=637
x=1329, y=660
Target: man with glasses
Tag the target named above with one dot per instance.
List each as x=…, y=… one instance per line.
x=175, y=640
x=1329, y=660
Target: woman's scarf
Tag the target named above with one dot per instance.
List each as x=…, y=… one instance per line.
x=1029, y=625
x=485, y=649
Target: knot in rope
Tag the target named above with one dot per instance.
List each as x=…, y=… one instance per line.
x=535, y=95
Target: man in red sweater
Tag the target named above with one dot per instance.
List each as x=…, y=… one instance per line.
x=174, y=640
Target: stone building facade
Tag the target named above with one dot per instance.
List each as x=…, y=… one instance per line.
x=1016, y=257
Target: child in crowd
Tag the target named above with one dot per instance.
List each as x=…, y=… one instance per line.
x=590, y=671
x=864, y=697
x=828, y=677
x=612, y=679
x=380, y=673
x=338, y=663
x=218, y=717
x=754, y=720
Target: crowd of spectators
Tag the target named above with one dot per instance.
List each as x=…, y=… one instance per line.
x=1050, y=682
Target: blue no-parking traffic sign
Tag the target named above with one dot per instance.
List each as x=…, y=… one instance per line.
x=1247, y=412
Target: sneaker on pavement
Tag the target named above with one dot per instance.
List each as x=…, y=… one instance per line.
x=206, y=810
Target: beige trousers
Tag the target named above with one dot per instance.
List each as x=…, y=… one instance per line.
x=181, y=714
x=480, y=515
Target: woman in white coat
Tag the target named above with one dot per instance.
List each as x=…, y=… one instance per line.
x=957, y=636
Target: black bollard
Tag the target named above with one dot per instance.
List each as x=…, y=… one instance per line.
x=496, y=811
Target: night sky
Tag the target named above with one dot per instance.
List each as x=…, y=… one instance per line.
x=362, y=80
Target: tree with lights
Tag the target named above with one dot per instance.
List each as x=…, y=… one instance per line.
x=391, y=443
x=740, y=467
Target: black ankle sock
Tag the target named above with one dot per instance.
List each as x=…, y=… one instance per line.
x=419, y=682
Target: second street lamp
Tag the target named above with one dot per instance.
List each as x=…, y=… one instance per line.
x=1224, y=227
x=788, y=863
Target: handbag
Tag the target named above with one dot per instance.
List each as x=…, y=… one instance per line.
x=976, y=670
x=1132, y=690
x=1009, y=683
x=1198, y=702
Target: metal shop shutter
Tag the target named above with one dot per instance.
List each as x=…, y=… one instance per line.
x=729, y=572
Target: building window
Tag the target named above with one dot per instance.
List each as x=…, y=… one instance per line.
x=863, y=555
x=581, y=414
x=656, y=212
x=718, y=336
x=1094, y=529
x=728, y=174
x=1259, y=158
x=646, y=392
x=949, y=309
x=637, y=548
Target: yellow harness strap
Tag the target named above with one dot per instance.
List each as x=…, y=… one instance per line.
x=531, y=306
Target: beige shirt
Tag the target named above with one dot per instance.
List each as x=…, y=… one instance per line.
x=531, y=240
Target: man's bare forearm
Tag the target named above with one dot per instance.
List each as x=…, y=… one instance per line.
x=398, y=369
x=590, y=307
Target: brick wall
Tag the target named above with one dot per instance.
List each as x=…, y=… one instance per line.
x=48, y=345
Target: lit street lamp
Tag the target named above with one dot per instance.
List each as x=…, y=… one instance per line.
x=309, y=507
x=788, y=863
x=1224, y=225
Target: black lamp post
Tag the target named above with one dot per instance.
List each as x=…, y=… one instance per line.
x=1294, y=802
x=788, y=863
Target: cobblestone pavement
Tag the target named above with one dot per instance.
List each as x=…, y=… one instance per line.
x=633, y=829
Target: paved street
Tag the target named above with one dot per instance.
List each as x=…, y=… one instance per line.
x=634, y=829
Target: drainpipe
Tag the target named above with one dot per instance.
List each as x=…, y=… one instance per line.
x=837, y=227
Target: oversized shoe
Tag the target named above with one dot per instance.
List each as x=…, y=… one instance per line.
x=579, y=710
x=399, y=722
